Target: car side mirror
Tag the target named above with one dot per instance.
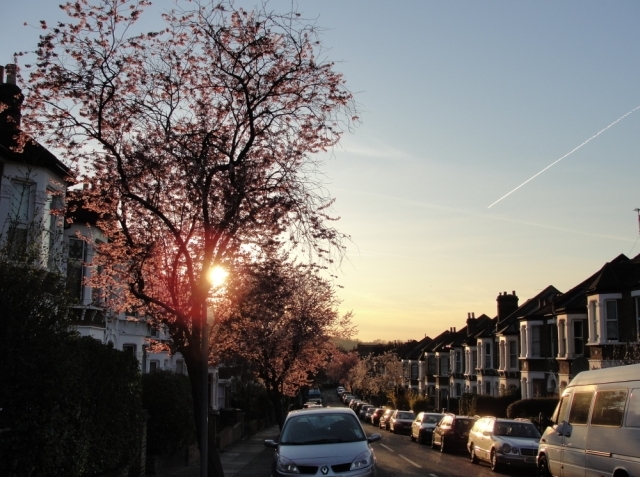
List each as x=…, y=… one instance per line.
x=271, y=443
x=374, y=438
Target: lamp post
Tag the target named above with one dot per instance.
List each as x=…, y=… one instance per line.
x=217, y=276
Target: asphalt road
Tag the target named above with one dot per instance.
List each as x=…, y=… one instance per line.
x=397, y=456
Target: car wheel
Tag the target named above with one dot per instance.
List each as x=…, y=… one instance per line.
x=433, y=442
x=494, y=461
x=472, y=453
x=413, y=439
x=421, y=439
x=543, y=467
x=392, y=430
x=442, y=445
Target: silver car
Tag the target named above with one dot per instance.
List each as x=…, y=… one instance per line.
x=327, y=441
x=512, y=442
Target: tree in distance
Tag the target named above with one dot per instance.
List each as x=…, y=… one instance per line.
x=281, y=324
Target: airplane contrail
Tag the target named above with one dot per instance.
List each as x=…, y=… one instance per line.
x=567, y=154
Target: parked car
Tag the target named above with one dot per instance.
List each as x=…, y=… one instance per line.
x=423, y=425
x=319, y=441
x=512, y=442
x=595, y=429
x=314, y=393
x=384, y=419
x=363, y=411
x=452, y=432
x=400, y=421
x=369, y=412
x=376, y=415
x=340, y=390
x=311, y=404
x=345, y=396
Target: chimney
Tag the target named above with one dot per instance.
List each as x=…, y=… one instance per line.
x=12, y=73
x=507, y=304
x=11, y=99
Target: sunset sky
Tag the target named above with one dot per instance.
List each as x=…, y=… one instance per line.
x=462, y=102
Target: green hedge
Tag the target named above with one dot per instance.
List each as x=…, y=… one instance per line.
x=478, y=405
x=166, y=396
x=71, y=405
x=531, y=408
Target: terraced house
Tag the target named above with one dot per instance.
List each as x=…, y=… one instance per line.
x=536, y=348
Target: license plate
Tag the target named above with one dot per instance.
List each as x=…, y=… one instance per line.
x=529, y=460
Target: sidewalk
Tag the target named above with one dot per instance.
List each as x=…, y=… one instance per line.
x=246, y=458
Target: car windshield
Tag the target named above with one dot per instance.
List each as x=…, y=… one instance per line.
x=405, y=415
x=321, y=428
x=516, y=429
x=431, y=419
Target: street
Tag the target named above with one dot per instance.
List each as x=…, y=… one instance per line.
x=397, y=456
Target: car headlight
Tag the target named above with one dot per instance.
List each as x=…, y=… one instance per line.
x=506, y=448
x=286, y=466
x=514, y=450
x=363, y=460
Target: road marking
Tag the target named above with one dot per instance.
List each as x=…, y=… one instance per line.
x=388, y=448
x=433, y=475
x=411, y=462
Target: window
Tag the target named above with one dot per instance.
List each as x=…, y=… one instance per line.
x=592, y=314
x=608, y=409
x=554, y=340
x=458, y=390
x=563, y=339
x=579, y=413
x=523, y=341
x=432, y=365
x=458, y=362
x=560, y=414
x=638, y=316
x=503, y=359
x=487, y=388
x=414, y=370
x=578, y=338
x=180, y=366
x=536, y=335
x=487, y=356
x=611, y=307
x=513, y=355
x=75, y=267
x=154, y=366
x=474, y=362
x=129, y=348
x=633, y=413
x=21, y=215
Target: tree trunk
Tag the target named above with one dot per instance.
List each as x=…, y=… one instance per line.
x=276, y=399
x=194, y=368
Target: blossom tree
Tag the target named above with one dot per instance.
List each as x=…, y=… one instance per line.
x=282, y=321
x=191, y=144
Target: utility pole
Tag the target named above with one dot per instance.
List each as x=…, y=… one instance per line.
x=638, y=212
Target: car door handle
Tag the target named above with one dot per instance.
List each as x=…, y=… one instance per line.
x=543, y=440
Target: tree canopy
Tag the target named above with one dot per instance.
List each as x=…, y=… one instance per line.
x=191, y=143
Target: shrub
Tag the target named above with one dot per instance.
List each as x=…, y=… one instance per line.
x=421, y=404
x=475, y=404
x=72, y=405
x=167, y=398
x=532, y=408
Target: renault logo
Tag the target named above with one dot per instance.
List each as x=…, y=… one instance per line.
x=324, y=469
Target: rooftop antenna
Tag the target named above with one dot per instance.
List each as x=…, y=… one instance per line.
x=638, y=212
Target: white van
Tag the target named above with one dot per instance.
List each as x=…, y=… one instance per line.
x=595, y=429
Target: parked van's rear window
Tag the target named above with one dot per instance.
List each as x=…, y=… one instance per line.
x=633, y=413
x=609, y=408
